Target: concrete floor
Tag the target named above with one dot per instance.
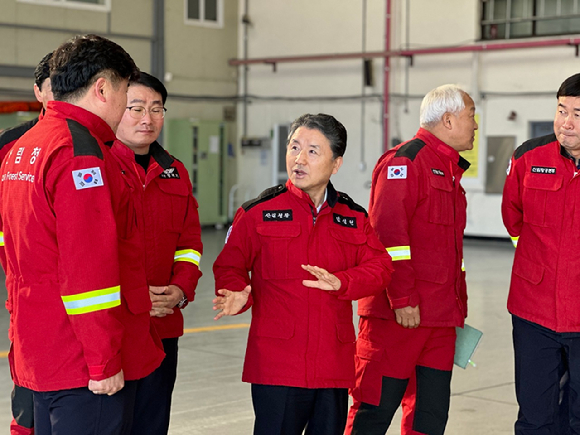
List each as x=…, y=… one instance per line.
x=210, y=398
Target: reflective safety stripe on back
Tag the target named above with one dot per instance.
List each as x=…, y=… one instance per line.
x=515, y=241
x=463, y=265
x=95, y=300
x=1, y=238
x=400, y=253
x=188, y=255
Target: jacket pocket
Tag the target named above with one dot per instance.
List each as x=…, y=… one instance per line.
x=345, y=332
x=368, y=350
x=137, y=299
x=352, y=237
x=272, y=327
x=276, y=253
x=539, y=192
x=529, y=270
x=174, y=202
x=441, y=208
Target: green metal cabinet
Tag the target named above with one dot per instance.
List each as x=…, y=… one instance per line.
x=8, y=120
x=202, y=147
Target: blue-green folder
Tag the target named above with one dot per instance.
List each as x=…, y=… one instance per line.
x=465, y=344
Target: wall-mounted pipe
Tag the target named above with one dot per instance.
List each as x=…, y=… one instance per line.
x=413, y=52
x=388, y=53
x=386, y=76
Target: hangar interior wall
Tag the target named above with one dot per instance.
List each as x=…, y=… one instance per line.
x=521, y=81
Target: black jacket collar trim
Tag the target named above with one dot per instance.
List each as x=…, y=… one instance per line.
x=160, y=156
x=332, y=195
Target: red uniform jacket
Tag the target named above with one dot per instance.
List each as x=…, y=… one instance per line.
x=301, y=337
x=167, y=212
x=7, y=140
x=418, y=209
x=78, y=310
x=539, y=211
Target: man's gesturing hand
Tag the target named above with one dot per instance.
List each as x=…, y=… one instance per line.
x=326, y=280
x=230, y=303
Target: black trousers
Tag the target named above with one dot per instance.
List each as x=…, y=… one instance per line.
x=431, y=406
x=541, y=358
x=153, y=401
x=283, y=410
x=23, y=406
x=81, y=412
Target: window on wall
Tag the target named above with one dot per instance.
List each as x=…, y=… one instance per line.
x=204, y=12
x=506, y=19
x=78, y=4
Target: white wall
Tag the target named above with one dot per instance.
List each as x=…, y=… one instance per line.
x=498, y=81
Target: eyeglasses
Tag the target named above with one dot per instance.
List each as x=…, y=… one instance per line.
x=139, y=112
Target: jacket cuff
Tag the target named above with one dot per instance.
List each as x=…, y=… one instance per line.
x=343, y=277
x=111, y=368
x=186, y=282
x=247, y=306
x=407, y=301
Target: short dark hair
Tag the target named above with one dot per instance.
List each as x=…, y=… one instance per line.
x=152, y=82
x=570, y=87
x=80, y=61
x=42, y=70
x=328, y=125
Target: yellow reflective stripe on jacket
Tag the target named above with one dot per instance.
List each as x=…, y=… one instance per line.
x=515, y=241
x=92, y=301
x=188, y=255
x=400, y=253
x=1, y=238
x=463, y=265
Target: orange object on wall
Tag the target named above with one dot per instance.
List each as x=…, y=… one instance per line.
x=20, y=106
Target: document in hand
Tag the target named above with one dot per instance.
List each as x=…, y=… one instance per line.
x=465, y=344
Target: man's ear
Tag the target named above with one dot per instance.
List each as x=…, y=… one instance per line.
x=336, y=165
x=100, y=89
x=37, y=93
x=447, y=120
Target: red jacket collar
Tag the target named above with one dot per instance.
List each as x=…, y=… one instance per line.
x=331, y=197
x=442, y=149
x=96, y=125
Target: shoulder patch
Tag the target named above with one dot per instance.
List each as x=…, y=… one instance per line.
x=534, y=143
x=410, y=149
x=12, y=134
x=86, y=178
x=84, y=143
x=343, y=198
x=266, y=195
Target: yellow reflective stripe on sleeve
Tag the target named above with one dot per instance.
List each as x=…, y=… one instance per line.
x=1, y=238
x=92, y=301
x=463, y=265
x=400, y=253
x=515, y=241
x=188, y=255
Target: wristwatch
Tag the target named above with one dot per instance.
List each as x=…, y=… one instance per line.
x=183, y=302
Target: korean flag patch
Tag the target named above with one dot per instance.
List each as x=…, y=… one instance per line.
x=397, y=172
x=85, y=178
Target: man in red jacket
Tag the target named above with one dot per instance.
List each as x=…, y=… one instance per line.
x=22, y=403
x=300, y=353
x=418, y=209
x=78, y=316
x=539, y=211
x=167, y=214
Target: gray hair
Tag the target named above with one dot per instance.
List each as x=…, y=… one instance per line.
x=437, y=102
